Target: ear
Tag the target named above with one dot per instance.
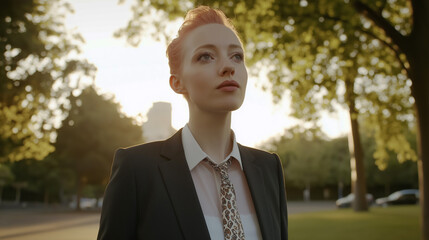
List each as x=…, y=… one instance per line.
x=177, y=85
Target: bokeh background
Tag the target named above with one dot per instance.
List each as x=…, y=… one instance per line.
x=338, y=89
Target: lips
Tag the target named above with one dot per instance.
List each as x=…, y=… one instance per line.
x=228, y=84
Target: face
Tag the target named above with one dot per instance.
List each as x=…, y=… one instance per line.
x=213, y=76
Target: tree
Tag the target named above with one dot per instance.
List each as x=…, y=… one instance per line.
x=309, y=159
x=90, y=134
x=413, y=45
x=287, y=33
x=396, y=175
x=327, y=163
x=36, y=74
x=304, y=168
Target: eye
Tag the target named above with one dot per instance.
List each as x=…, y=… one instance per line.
x=238, y=57
x=204, y=57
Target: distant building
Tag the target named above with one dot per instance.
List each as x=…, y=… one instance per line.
x=158, y=124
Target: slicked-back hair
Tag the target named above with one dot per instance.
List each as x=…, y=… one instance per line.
x=196, y=17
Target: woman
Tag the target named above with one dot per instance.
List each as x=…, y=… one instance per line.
x=199, y=184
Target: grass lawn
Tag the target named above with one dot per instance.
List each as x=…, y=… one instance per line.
x=391, y=223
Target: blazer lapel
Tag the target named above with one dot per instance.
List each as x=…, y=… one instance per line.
x=180, y=187
x=255, y=180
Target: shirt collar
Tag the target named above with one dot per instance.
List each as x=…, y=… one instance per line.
x=194, y=154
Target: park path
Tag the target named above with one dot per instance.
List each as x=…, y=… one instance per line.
x=296, y=207
x=51, y=224
x=48, y=225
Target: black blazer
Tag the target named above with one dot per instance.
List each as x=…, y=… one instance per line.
x=151, y=194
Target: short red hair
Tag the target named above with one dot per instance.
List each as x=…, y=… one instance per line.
x=196, y=17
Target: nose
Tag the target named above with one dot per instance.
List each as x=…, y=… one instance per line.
x=226, y=69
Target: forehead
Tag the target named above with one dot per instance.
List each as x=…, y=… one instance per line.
x=209, y=34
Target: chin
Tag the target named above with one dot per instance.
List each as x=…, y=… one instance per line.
x=221, y=105
x=231, y=106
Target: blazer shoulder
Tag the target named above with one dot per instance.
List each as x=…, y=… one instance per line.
x=257, y=152
x=138, y=149
x=259, y=155
x=153, y=148
x=135, y=154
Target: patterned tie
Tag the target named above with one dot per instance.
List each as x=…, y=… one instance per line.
x=232, y=227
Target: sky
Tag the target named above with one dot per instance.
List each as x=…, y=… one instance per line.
x=138, y=76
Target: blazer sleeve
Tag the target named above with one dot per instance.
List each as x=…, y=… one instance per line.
x=118, y=214
x=283, y=206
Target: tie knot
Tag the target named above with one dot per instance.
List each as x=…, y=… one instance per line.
x=221, y=168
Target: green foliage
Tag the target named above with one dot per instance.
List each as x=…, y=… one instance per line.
x=90, y=134
x=36, y=73
x=310, y=160
x=6, y=175
x=46, y=180
x=320, y=53
x=396, y=175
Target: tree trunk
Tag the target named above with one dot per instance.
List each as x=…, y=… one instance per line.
x=1, y=194
x=418, y=57
x=421, y=96
x=46, y=197
x=18, y=195
x=98, y=203
x=420, y=90
x=340, y=189
x=356, y=164
x=307, y=192
x=78, y=194
x=61, y=195
x=18, y=186
x=357, y=168
x=387, y=188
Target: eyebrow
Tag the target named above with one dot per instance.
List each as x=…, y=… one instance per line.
x=211, y=46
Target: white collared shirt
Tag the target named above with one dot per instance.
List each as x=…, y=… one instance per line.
x=207, y=185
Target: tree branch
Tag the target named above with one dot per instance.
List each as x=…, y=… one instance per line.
x=397, y=38
x=392, y=47
x=380, y=9
x=420, y=11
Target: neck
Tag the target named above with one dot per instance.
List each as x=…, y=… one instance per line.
x=212, y=132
